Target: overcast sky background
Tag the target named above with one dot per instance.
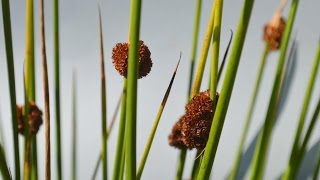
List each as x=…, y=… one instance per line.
x=166, y=27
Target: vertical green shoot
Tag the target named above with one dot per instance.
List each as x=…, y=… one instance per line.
x=104, y=154
x=262, y=147
x=74, y=129
x=225, y=96
x=131, y=109
x=236, y=165
x=303, y=114
x=56, y=57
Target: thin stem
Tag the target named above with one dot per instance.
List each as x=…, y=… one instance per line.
x=46, y=94
x=156, y=123
x=131, y=110
x=257, y=170
x=74, y=129
x=225, y=96
x=317, y=168
x=121, y=133
x=56, y=56
x=104, y=154
x=182, y=159
x=303, y=114
x=11, y=81
x=245, y=131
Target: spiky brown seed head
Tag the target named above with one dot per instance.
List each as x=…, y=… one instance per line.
x=175, y=137
x=273, y=32
x=20, y=120
x=198, y=119
x=120, y=59
x=34, y=118
x=195, y=131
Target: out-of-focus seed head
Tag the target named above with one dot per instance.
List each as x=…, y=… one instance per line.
x=34, y=118
x=273, y=32
x=20, y=120
x=120, y=59
x=175, y=137
x=193, y=128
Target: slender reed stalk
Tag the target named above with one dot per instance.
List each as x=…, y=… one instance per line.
x=56, y=56
x=317, y=168
x=296, y=146
x=107, y=136
x=306, y=139
x=4, y=170
x=123, y=159
x=155, y=125
x=196, y=27
x=74, y=129
x=262, y=147
x=104, y=154
x=224, y=99
x=46, y=94
x=121, y=134
x=244, y=134
x=131, y=110
x=11, y=81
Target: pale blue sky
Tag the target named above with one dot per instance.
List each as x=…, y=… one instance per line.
x=166, y=27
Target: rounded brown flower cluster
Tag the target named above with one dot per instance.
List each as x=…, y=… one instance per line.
x=34, y=118
x=273, y=33
x=192, y=129
x=120, y=59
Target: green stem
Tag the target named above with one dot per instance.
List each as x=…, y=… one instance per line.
x=104, y=154
x=196, y=27
x=225, y=96
x=196, y=165
x=74, y=129
x=4, y=170
x=244, y=134
x=12, y=87
x=303, y=114
x=131, y=110
x=155, y=125
x=121, y=134
x=56, y=56
x=262, y=148
x=317, y=168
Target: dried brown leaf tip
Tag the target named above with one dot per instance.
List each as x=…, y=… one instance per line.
x=274, y=29
x=34, y=118
x=194, y=126
x=120, y=59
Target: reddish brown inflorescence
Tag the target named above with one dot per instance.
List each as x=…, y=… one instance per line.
x=194, y=126
x=273, y=33
x=34, y=118
x=120, y=59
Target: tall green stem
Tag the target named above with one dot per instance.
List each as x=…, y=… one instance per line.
x=225, y=96
x=121, y=134
x=12, y=87
x=74, y=129
x=104, y=154
x=303, y=114
x=131, y=110
x=317, y=168
x=244, y=134
x=56, y=56
x=262, y=147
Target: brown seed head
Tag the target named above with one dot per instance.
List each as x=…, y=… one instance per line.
x=120, y=59
x=273, y=32
x=34, y=118
x=175, y=138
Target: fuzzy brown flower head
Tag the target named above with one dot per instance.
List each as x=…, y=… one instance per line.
x=273, y=33
x=195, y=131
x=175, y=138
x=200, y=105
x=20, y=119
x=34, y=118
x=120, y=59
